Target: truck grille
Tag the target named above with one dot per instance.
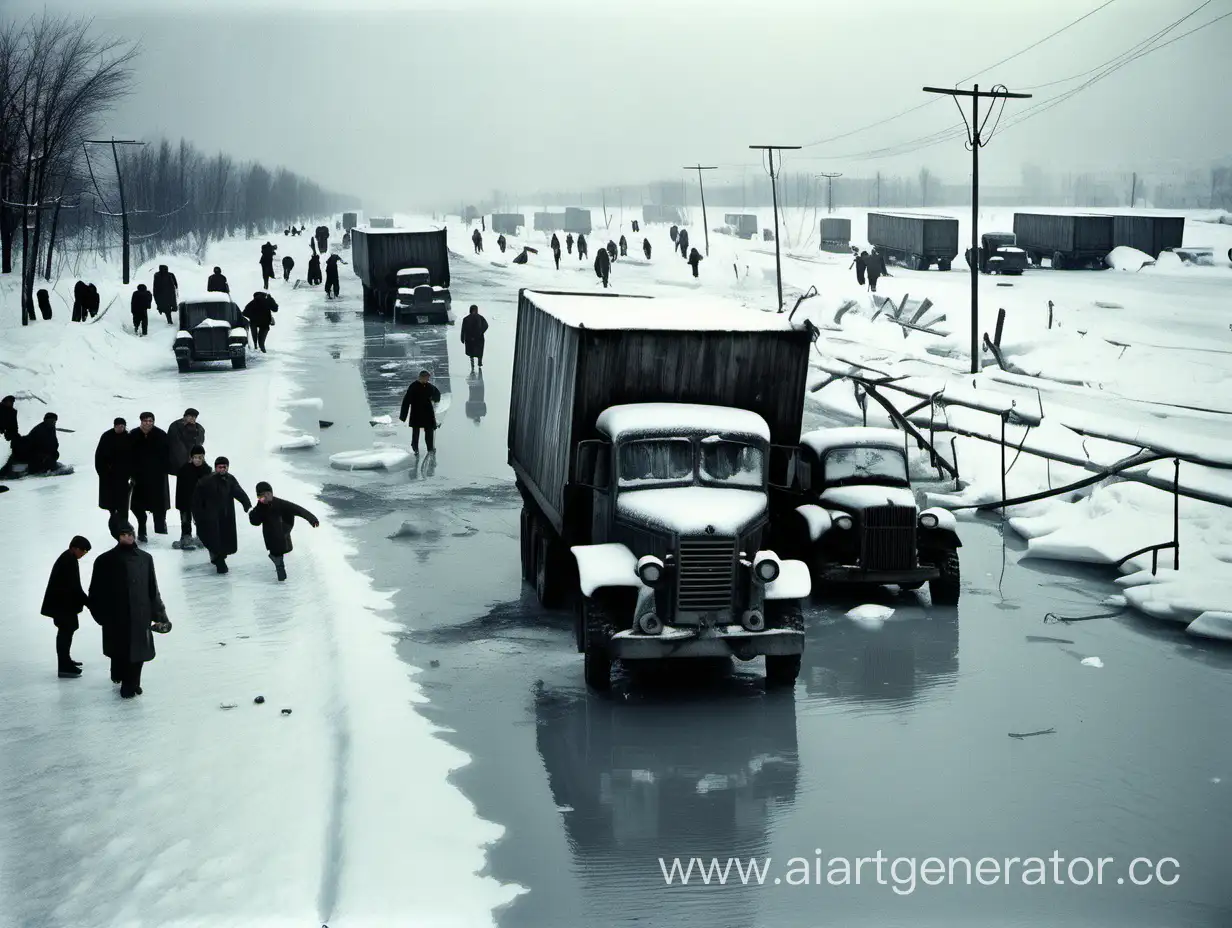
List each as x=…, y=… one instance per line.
x=706, y=571
x=211, y=341
x=888, y=538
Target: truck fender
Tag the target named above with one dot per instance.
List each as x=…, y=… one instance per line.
x=816, y=518
x=793, y=582
x=945, y=519
x=606, y=565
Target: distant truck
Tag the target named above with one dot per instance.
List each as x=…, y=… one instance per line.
x=743, y=225
x=577, y=220
x=349, y=221
x=1068, y=240
x=641, y=433
x=999, y=254
x=381, y=222
x=836, y=235
x=379, y=255
x=915, y=240
x=549, y=222
x=1151, y=234
x=507, y=223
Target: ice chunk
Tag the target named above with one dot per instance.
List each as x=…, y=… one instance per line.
x=299, y=442
x=1212, y=625
x=381, y=420
x=312, y=402
x=375, y=459
x=1092, y=662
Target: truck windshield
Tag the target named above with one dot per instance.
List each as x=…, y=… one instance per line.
x=655, y=461
x=874, y=465
x=731, y=462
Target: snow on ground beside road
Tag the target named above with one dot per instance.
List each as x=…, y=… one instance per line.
x=1116, y=352
x=170, y=809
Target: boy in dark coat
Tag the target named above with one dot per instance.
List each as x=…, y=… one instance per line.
x=217, y=283
x=187, y=477
x=182, y=436
x=331, y=275
x=113, y=462
x=473, y=328
x=125, y=601
x=140, y=304
x=418, y=410
x=276, y=518
x=214, y=511
x=695, y=258
x=63, y=602
x=151, y=450
x=166, y=292
x=42, y=446
x=314, y=270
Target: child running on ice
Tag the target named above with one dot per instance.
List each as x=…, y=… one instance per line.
x=277, y=517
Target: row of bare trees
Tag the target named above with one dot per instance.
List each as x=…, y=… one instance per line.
x=62, y=195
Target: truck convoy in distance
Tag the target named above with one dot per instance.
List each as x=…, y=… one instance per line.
x=999, y=254
x=577, y=220
x=381, y=256
x=641, y=434
x=915, y=240
x=507, y=223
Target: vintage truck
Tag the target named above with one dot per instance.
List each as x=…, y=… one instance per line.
x=1069, y=240
x=915, y=240
x=858, y=521
x=212, y=328
x=418, y=301
x=380, y=255
x=999, y=254
x=741, y=225
x=641, y=435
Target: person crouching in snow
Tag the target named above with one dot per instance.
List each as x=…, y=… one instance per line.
x=187, y=477
x=276, y=518
x=214, y=511
x=64, y=600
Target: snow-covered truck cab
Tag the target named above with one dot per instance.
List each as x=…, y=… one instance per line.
x=212, y=328
x=679, y=518
x=860, y=522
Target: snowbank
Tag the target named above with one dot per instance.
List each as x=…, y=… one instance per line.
x=1124, y=258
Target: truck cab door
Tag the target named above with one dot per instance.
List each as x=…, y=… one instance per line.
x=592, y=477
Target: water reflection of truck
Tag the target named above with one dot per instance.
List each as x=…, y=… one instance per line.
x=378, y=255
x=641, y=433
x=635, y=785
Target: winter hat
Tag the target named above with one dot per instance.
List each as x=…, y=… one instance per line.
x=80, y=543
x=124, y=528
x=221, y=460
x=264, y=487
x=217, y=270
x=50, y=417
x=191, y=412
x=196, y=449
x=119, y=420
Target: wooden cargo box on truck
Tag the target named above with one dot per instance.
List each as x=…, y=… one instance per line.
x=378, y=254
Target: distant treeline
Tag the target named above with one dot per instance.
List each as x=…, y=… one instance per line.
x=60, y=188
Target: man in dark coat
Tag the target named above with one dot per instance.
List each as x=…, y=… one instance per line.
x=125, y=601
x=267, y=262
x=683, y=241
x=624, y=247
x=260, y=312
x=473, y=328
x=695, y=258
x=611, y=251
x=217, y=282
x=555, y=243
x=646, y=248
x=166, y=292
x=81, y=301
x=42, y=446
x=44, y=303
x=418, y=410
x=95, y=301
x=581, y=245
x=674, y=232
x=288, y=265
x=214, y=511
x=477, y=241
x=501, y=243
x=63, y=602
x=113, y=462
x=187, y=476
x=276, y=518
x=859, y=262
x=151, y=450
x=603, y=266
x=569, y=243
x=556, y=252
x=314, y=270
x=322, y=239
x=182, y=436
x=8, y=418
x=636, y=227
x=331, y=276
x=140, y=304
x=875, y=268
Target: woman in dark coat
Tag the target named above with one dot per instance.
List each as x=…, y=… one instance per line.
x=214, y=511
x=44, y=303
x=276, y=518
x=125, y=601
x=113, y=462
x=95, y=300
x=314, y=270
x=151, y=450
x=473, y=328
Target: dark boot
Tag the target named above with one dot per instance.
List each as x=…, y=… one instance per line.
x=280, y=566
x=221, y=564
x=69, y=673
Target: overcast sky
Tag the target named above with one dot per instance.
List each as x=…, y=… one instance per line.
x=416, y=104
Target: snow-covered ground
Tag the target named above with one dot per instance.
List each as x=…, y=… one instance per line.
x=192, y=805
x=1139, y=355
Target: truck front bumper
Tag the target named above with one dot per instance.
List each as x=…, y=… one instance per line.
x=723, y=641
x=848, y=573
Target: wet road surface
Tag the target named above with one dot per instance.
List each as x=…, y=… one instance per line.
x=895, y=739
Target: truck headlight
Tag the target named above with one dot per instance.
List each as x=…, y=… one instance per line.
x=843, y=521
x=650, y=570
x=929, y=520
x=766, y=567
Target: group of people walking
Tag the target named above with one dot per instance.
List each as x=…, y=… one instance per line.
x=870, y=265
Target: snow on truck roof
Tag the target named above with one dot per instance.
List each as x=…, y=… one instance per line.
x=822, y=440
x=675, y=418
x=212, y=296
x=673, y=314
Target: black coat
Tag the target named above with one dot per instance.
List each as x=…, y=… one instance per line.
x=555, y=242
x=646, y=248
x=151, y=464
x=603, y=264
x=93, y=300
x=186, y=479
x=314, y=267
x=165, y=287
x=181, y=438
x=217, y=284
x=124, y=600
x=8, y=423
x=276, y=520
x=473, y=328
x=142, y=301
x=113, y=462
x=260, y=310
x=43, y=442
x=331, y=267
x=214, y=511
x=417, y=408
x=44, y=303
x=64, y=596
x=875, y=266
x=288, y=263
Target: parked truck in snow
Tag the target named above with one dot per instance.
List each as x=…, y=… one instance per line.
x=1150, y=234
x=380, y=256
x=999, y=254
x=1069, y=240
x=641, y=434
x=212, y=328
x=915, y=240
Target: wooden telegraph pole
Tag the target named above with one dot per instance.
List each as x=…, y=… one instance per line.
x=702, y=190
x=829, y=190
x=120, y=188
x=976, y=141
x=774, y=194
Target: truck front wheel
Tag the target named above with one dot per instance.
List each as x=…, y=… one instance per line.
x=594, y=622
x=183, y=364
x=944, y=589
x=239, y=361
x=782, y=670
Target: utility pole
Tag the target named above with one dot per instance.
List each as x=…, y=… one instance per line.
x=829, y=190
x=774, y=194
x=120, y=187
x=879, y=190
x=976, y=142
x=702, y=190
x=1133, y=191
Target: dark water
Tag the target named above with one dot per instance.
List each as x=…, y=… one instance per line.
x=896, y=739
